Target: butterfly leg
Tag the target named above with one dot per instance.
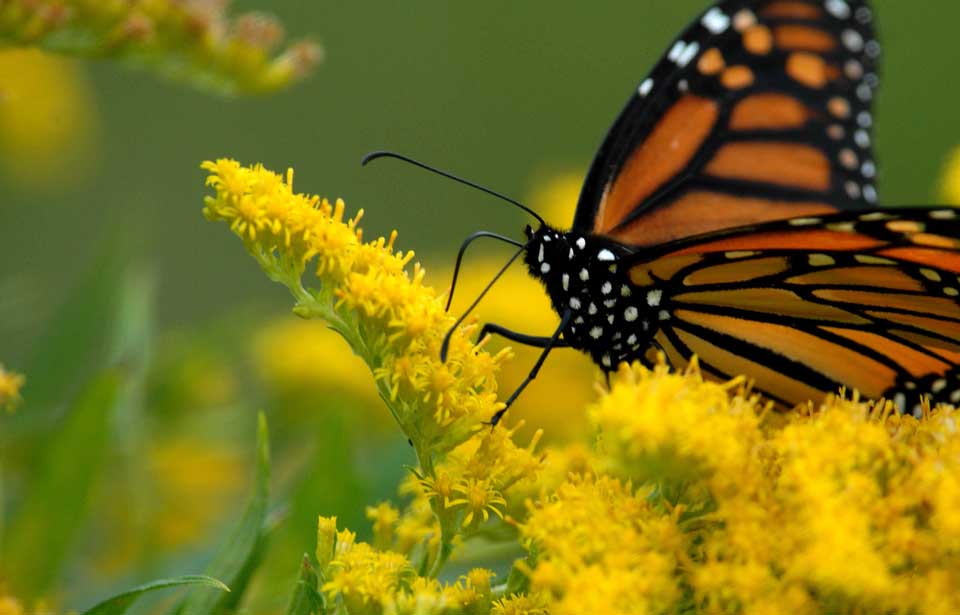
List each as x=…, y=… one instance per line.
x=551, y=344
x=520, y=338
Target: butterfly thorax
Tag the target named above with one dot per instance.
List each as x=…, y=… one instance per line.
x=610, y=317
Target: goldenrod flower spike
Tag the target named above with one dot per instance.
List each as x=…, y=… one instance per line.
x=10, y=385
x=189, y=40
x=377, y=299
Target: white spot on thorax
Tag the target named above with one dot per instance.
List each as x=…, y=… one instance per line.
x=574, y=303
x=540, y=254
x=581, y=243
x=592, y=309
x=606, y=288
x=584, y=275
x=566, y=281
x=545, y=268
x=596, y=332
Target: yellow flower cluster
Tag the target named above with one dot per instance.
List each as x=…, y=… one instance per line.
x=391, y=319
x=851, y=509
x=359, y=578
x=189, y=40
x=396, y=325
x=10, y=385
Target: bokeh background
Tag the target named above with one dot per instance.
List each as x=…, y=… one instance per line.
x=104, y=255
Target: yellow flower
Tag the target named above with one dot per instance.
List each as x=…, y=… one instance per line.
x=705, y=432
x=326, y=540
x=196, y=480
x=385, y=518
x=48, y=120
x=603, y=547
x=365, y=579
x=299, y=356
x=950, y=178
x=479, y=498
x=522, y=604
x=360, y=576
x=10, y=385
x=10, y=606
x=188, y=40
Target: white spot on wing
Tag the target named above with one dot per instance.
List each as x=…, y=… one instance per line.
x=566, y=281
x=716, y=21
x=676, y=50
x=838, y=8
x=596, y=332
x=606, y=255
x=688, y=54
x=653, y=297
x=643, y=90
x=584, y=275
x=630, y=314
x=852, y=40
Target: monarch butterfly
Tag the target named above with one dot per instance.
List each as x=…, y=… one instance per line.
x=729, y=214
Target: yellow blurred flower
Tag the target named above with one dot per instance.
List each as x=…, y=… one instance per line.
x=196, y=481
x=48, y=120
x=950, y=178
x=10, y=385
x=303, y=356
x=10, y=606
x=193, y=40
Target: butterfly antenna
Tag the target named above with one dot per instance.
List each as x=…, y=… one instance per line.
x=385, y=154
x=445, y=347
x=463, y=249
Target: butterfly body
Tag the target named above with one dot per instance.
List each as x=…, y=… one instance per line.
x=611, y=318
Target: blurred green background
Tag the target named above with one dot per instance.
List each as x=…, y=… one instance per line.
x=111, y=258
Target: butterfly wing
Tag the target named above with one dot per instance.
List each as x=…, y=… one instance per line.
x=759, y=111
x=807, y=305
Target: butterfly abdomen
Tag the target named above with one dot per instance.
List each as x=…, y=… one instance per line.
x=611, y=318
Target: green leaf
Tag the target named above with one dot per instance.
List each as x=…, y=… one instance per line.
x=53, y=508
x=306, y=598
x=237, y=560
x=118, y=605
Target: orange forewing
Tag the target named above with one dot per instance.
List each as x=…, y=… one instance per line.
x=702, y=211
x=669, y=148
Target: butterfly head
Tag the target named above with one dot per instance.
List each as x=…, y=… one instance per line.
x=611, y=319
